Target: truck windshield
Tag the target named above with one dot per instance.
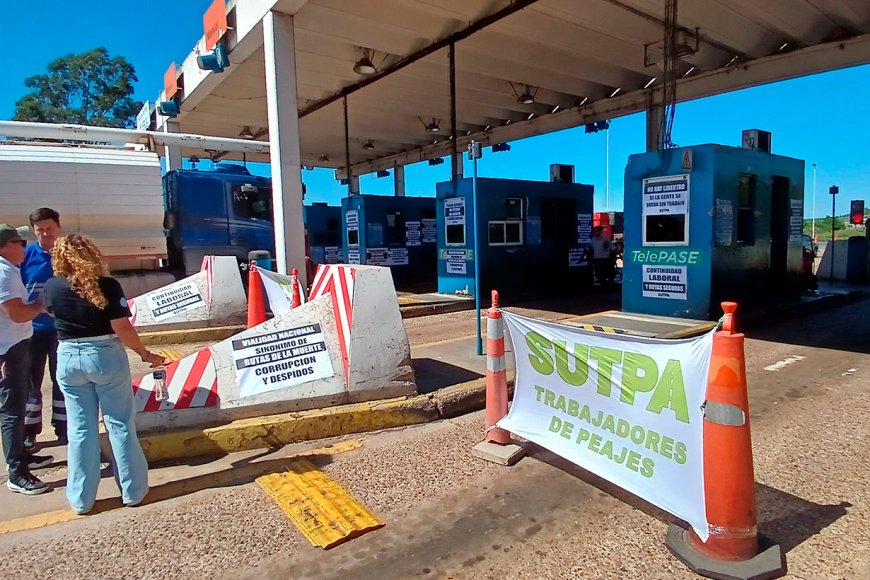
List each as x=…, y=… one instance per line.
x=251, y=202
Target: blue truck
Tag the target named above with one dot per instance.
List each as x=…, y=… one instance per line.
x=228, y=211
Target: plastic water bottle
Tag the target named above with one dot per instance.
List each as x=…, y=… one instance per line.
x=161, y=393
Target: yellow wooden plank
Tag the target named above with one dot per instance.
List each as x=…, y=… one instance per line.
x=170, y=354
x=318, y=505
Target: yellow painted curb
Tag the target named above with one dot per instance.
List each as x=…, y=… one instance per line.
x=210, y=334
x=278, y=430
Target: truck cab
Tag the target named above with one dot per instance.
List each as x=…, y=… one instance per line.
x=225, y=211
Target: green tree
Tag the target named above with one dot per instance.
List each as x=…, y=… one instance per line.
x=90, y=88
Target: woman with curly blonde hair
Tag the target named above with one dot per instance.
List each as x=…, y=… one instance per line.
x=92, y=321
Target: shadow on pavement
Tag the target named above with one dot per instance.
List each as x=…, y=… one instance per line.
x=786, y=519
x=843, y=328
x=435, y=374
x=791, y=520
x=238, y=473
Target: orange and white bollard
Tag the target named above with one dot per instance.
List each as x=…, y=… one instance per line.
x=296, y=297
x=496, y=445
x=256, y=303
x=732, y=548
x=496, y=375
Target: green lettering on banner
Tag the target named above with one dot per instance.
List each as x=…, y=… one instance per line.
x=580, y=374
x=670, y=393
x=639, y=374
x=606, y=357
x=540, y=358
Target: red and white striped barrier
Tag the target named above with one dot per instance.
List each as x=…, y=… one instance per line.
x=347, y=343
x=336, y=281
x=190, y=382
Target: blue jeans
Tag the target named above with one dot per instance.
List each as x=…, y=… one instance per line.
x=95, y=374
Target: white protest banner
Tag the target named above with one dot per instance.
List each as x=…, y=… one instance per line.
x=279, y=289
x=628, y=409
x=174, y=300
x=284, y=358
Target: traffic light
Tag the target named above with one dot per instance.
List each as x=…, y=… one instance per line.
x=856, y=215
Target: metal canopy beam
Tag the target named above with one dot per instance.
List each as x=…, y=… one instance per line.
x=26, y=130
x=512, y=8
x=806, y=61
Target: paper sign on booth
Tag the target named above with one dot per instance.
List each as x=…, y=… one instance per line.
x=628, y=409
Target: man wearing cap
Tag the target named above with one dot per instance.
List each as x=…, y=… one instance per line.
x=35, y=272
x=16, y=329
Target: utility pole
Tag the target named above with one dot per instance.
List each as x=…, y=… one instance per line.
x=833, y=191
x=814, y=202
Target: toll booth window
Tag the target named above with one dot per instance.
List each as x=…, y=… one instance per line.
x=746, y=210
x=455, y=235
x=505, y=233
x=395, y=230
x=352, y=237
x=513, y=208
x=252, y=202
x=333, y=232
x=558, y=219
x=665, y=229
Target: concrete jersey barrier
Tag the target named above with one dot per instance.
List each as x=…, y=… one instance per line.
x=213, y=296
x=346, y=344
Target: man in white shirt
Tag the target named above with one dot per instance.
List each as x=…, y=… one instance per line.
x=602, y=256
x=16, y=316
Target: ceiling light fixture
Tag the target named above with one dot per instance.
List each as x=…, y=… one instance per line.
x=527, y=97
x=583, y=102
x=432, y=127
x=246, y=133
x=529, y=118
x=368, y=145
x=615, y=92
x=683, y=47
x=364, y=66
x=688, y=72
x=650, y=82
x=555, y=109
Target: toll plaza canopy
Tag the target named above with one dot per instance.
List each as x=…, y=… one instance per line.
x=522, y=67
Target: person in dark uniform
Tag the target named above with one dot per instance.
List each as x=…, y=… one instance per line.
x=35, y=271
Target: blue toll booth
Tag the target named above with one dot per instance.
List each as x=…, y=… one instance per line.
x=533, y=236
x=398, y=232
x=323, y=234
x=710, y=223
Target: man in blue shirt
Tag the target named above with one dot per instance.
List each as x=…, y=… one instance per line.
x=35, y=271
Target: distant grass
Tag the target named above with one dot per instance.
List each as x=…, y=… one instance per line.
x=823, y=228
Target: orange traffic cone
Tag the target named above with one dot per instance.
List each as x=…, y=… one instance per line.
x=496, y=445
x=732, y=548
x=256, y=304
x=295, y=298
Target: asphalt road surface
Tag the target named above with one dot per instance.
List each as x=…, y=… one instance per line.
x=449, y=515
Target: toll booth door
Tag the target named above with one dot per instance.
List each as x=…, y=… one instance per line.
x=779, y=222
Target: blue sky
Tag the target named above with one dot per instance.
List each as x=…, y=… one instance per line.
x=823, y=119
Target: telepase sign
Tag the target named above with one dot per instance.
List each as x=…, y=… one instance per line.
x=628, y=409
